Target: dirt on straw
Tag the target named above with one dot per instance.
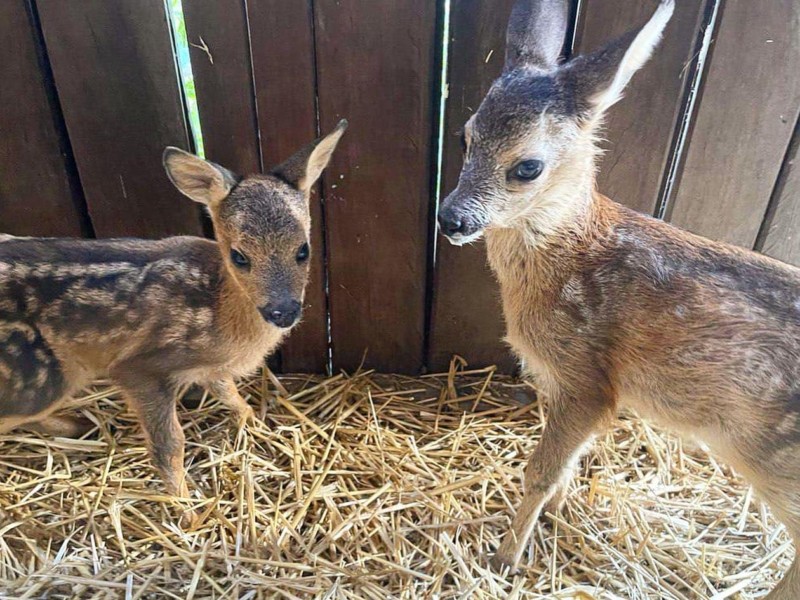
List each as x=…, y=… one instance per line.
x=372, y=487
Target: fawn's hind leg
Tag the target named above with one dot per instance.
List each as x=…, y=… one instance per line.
x=789, y=586
x=34, y=383
x=61, y=426
x=571, y=425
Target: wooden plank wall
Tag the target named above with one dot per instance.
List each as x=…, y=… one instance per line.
x=91, y=97
x=255, y=79
x=466, y=317
x=217, y=32
x=282, y=42
x=117, y=82
x=39, y=190
x=376, y=258
x=377, y=191
x=780, y=233
x=640, y=129
x=744, y=123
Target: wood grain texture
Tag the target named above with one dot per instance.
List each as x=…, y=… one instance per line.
x=220, y=51
x=284, y=72
x=375, y=61
x=116, y=77
x=39, y=195
x=781, y=233
x=466, y=316
x=746, y=116
x=640, y=129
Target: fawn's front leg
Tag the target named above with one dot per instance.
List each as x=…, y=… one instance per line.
x=226, y=392
x=154, y=401
x=571, y=425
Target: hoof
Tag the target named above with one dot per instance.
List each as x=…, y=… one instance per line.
x=189, y=519
x=81, y=426
x=503, y=563
x=246, y=416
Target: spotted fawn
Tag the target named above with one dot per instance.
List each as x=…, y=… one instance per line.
x=155, y=316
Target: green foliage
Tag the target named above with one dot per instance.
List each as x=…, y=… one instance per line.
x=185, y=70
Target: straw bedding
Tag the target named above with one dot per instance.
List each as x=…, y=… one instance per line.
x=372, y=487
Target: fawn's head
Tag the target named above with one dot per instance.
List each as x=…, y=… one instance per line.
x=262, y=222
x=532, y=142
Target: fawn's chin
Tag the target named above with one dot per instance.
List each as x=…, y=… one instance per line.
x=461, y=239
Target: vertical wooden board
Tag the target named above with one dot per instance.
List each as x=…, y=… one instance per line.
x=220, y=51
x=284, y=72
x=640, y=129
x=781, y=236
x=116, y=77
x=376, y=61
x=38, y=193
x=747, y=112
x=466, y=315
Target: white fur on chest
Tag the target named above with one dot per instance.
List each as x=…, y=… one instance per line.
x=246, y=358
x=241, y=360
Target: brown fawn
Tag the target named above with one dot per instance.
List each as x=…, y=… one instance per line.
x=610, y=309
x=155, y=316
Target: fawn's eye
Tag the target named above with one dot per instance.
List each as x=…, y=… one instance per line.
x=528, y=170
x=239, y=259
x=303, y=253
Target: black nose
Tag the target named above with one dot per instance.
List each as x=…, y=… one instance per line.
x=451, y=224
x=282, y=314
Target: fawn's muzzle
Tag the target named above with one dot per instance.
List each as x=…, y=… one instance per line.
x=457, y=225
x=282, y=314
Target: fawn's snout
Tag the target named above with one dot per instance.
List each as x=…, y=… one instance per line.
x=457, y=221
x=283, y=313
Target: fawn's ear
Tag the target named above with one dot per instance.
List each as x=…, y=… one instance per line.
x=600, y=78
x=536, y=33
x=201, y=180
x=303, y=169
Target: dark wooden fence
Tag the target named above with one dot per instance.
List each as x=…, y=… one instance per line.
x=706, y=138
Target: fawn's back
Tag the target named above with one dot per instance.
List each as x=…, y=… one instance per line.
x=70, y=309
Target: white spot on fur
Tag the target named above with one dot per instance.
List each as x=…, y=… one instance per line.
x=573, y=291
x=788, y=424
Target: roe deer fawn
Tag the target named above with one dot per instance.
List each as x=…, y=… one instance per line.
x=157, y=315
x=608, y=308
